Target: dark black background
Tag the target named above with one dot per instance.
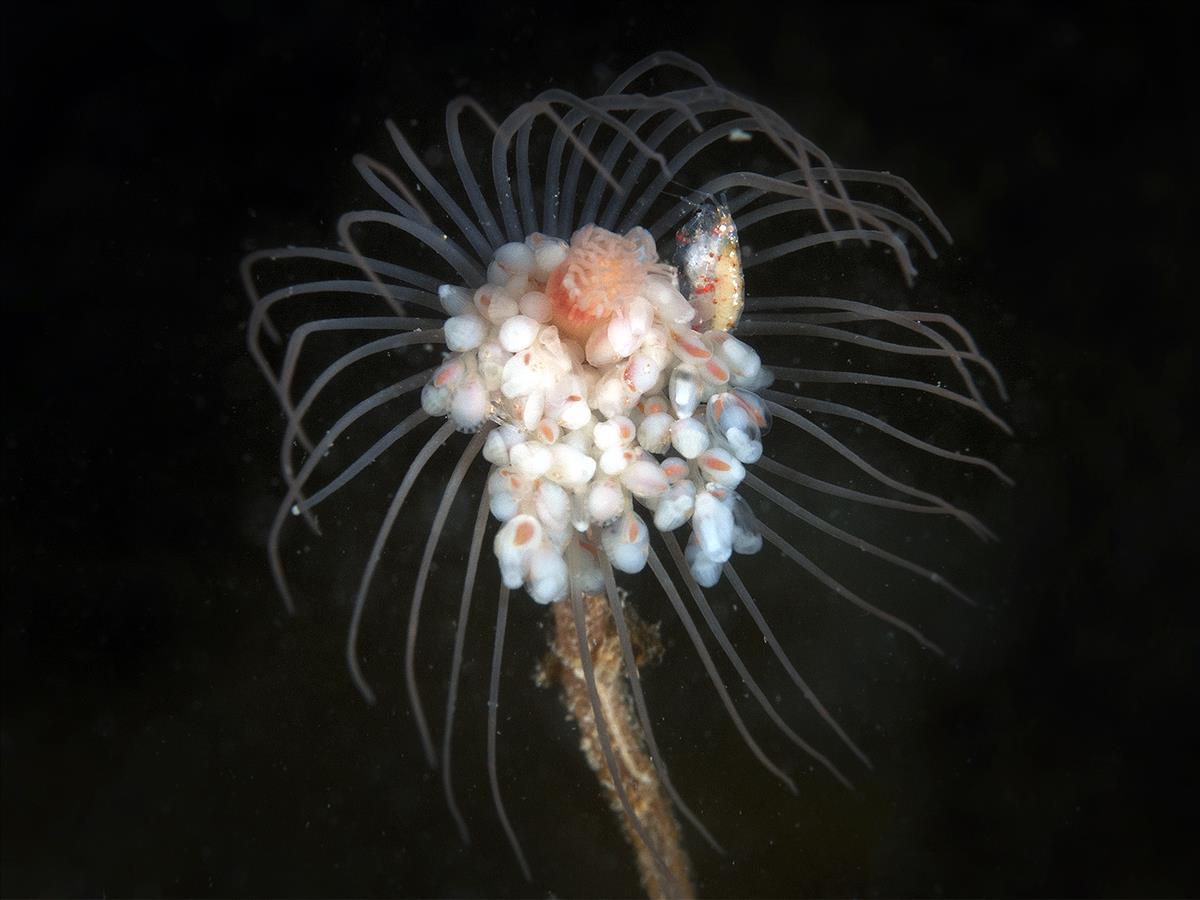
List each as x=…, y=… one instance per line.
x=167, y=730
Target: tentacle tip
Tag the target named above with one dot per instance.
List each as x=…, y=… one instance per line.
x=364, y=689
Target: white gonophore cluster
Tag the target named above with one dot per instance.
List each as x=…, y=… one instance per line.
x=587, y=356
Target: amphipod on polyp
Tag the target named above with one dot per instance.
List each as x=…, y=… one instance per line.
x=710, y=266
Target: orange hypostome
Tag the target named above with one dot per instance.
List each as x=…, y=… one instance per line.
x=602, y=271
x=571, y=320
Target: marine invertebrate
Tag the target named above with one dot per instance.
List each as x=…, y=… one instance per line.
x=596, y=357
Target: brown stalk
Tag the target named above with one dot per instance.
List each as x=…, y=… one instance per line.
x=636, y=769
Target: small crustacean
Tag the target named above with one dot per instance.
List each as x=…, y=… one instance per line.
x=709, y=261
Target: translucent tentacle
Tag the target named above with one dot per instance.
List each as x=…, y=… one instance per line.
x=780, y=654
x=385, y=531
x=842, y=591
x=493, y=709
x=714, y=626
x=414, y=609
x=460, y=635
x=668, y=586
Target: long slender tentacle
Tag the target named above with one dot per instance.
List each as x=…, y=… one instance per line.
x=795, y=509
x=668, y=586
x=414, y=610
x=291, y=503
x=466, y=177
x=735, y=659
x=771, y=210
x=768, y=634
x=916, y=321
x=382, y=345
x=812, y=404
x=259, y=314
x=405, y=276
x=779, y=329
x=493, y=710
x=291, y=359
x=432, y=238
x=842, y=591
x=460, y=636
x=775, y=467
x=850, y=456
x=391, y=188
x=366, y=458
x=469, y=230
x=385, y=531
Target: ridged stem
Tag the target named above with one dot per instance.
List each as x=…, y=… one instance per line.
x=638, y=775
